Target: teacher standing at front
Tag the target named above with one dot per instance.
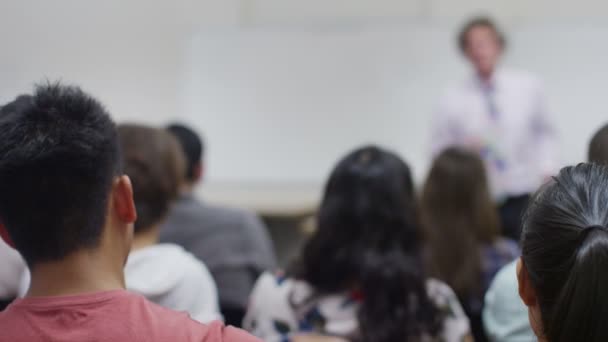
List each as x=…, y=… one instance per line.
x=502, y=115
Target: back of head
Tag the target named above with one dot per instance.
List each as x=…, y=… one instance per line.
x=458, y=215
x=192, y=146
x=457, y=188
x=58, y=157
x=367, y=241
x=565, y=253
x=155, y=163
x=598, y=147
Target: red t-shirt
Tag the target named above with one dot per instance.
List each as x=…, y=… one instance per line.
x=112, y=316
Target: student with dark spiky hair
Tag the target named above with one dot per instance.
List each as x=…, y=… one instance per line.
x=67, y=207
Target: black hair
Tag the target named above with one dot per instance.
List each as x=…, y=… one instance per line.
x=192, y=144
x=367, y=240
x=598, y=147
x=463, y=35
x=58, y=157
x=155, y=163
x=565, y=252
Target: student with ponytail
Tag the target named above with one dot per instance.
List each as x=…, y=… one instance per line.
x=563, y=270
x=360, y=276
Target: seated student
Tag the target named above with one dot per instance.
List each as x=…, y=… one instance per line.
x=505, y=319
x=360, y=276
x=233, y=243
x=562, y=273
x=164, y=273
x=68, y=209
x=465, y=249
x=598, y=147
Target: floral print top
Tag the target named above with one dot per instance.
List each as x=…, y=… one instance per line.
x=281, y=307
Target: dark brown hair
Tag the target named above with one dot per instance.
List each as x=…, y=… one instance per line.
x=458, y=215
x=463, y=36
x=155, y=163
x=598, y=147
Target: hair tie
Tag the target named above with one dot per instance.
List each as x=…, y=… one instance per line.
x=590, y=228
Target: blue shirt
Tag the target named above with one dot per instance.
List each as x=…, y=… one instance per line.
x=505, y=317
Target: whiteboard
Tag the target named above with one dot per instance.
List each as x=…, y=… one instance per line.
x=284, y=105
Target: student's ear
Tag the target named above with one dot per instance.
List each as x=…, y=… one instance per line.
x=526, y=291
x=123, y=200
x=5, y=236
x=198, y=172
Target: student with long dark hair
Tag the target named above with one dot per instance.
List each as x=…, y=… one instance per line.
x=563, y=270
x=462, y=228
x=360, y=276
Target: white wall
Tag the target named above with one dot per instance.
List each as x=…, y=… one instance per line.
x=128, y=53
x=157, y=60
x=283, y=105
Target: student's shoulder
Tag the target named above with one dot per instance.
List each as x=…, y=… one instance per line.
x=160, y=323
x=456, y=325
x=177, y=264
x=213, y=332
x=7, y=316
x=203, y=212
x=14, y=326
x=276, y=288
x=439, y=292
x=228, y=211
x=182, y=260
x=445, y=299
x=275, y=298
x=157, y=319
x=274, y=281
x=177, y=252
x=220, y=332
x=506, y=276
x=166, y=252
